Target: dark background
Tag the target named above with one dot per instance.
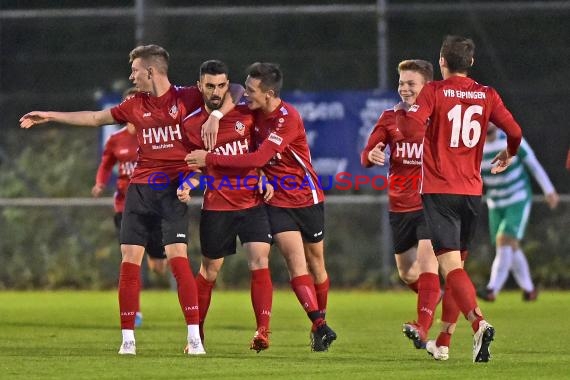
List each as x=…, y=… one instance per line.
x=64, y=63
x=58, y=63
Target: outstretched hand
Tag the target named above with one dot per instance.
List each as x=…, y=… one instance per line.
x=503, y=160
x=377, y=155
x=32, y=118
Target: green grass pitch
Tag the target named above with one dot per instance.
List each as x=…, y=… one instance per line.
x=76, y=335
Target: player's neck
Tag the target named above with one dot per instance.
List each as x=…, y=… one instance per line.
x=160, y=87
x=271, y=105
x=446, y=74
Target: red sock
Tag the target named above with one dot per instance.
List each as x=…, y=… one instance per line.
x=187, y=293
x=322, y=293
x=261, y=296
x=414, y=286
x=129, y=292
x=443, y=339
x=141, y=281
x=449, y=309
x=463, y=292
x=428, y=297
x=304, y=289
x=204, y=288
x=450, y=314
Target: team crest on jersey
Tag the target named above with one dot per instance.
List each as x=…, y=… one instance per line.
x=275, y=139
x=414, y=108
x=173, y=111
x=240, y=128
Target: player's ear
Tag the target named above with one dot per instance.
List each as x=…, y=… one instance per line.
x=472, y=61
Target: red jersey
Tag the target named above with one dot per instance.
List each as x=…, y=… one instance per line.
x=283, y=153
x=158, y=121
x=230, y=189
x=459, y=110
x=121, y=148
x=405, y=145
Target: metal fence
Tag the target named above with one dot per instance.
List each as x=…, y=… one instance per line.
x=55, y=243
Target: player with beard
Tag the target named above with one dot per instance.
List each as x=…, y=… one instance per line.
x=156, y=111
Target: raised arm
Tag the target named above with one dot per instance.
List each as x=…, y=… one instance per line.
x=80, y=118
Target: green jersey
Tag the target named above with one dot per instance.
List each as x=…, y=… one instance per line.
x=512, y=186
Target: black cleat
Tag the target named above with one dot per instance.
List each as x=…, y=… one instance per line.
x=322, y=338
x=415, y=333
x=530, y=296
x=486, y=295
x=481, y=342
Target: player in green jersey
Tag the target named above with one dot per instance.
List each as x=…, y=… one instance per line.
x=509, y=199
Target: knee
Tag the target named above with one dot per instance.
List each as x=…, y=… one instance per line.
x=209, y=275
x=210, y=270
x=258, y=263
x=409, y=276
x=507, y=240
x=132, y=254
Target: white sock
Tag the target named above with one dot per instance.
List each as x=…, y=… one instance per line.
x=501, y=267
x=521, y=271
x=128, y=335
x=193, y=332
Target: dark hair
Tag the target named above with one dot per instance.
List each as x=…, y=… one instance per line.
x=269, y=74
x=214, y=67
x=458, y=53
x=154, y=53
x=424, y=68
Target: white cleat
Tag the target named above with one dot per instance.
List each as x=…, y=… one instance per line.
x=194, y=347
x=481, y=342
x=128, y=348
x=438, y=352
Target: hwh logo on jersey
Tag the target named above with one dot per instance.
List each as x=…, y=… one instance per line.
x=233, y=148
x=127, y=168
x=162, y=134
x=409, y=150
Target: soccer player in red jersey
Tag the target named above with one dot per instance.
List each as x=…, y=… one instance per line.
x=296, y=211
x=156, y=111
x=415, y=259
x=121, y=149
x=458, y=110
x=233, y=205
